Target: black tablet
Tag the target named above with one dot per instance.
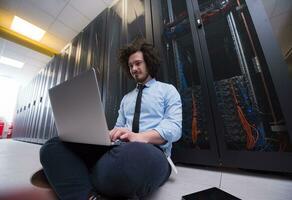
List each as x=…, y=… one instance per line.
x=210, y=194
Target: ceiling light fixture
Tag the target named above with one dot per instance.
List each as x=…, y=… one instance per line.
x=25, y=28
x=11, y=62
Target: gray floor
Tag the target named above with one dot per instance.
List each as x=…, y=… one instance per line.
x=19, y=160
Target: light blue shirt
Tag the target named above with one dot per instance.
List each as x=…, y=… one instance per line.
x=161, y=110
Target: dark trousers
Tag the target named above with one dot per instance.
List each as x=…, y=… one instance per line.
x=129, y=170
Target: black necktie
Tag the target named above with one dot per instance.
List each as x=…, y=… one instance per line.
x=135, y=125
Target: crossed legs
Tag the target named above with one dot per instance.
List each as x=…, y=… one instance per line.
x=129, y=170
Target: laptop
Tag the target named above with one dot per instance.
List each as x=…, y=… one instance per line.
x=78, y=110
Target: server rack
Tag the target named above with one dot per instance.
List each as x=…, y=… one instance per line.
x=96, y=47
x=239, y=67
x=42, y=128
x=39, y=104
x=31, y=107
x=182, y=68
x=124, y=18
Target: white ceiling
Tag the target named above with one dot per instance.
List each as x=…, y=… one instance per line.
x=33, y=60
x=62, y=20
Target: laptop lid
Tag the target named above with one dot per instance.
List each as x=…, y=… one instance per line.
x=78, y=110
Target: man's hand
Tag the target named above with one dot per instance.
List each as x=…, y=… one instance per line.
x=126, y=135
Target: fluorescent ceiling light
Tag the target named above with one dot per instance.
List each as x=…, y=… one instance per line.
x=25, y=28
x=11, y=62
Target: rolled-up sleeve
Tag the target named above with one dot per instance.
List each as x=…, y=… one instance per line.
x=121, y=121
x=170, y=126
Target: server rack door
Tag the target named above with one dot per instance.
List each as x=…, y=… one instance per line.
x=25, y=111
x=57, y=69
x=137, y=18
x=30, y=107
x=36, y=104
x=65, y=63
x=16, y=117
x=62, y=74
x=46, y=104
x=250, y=124
x=83, y=49
x=41, y=135
x=277, y=66
x=19, y=118
x=125, y=22
x=183, y=67
x=112, y=81
x=72, y=69
x=22, y=124
x=97, y=47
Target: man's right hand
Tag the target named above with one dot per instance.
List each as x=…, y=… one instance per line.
x=116, y=133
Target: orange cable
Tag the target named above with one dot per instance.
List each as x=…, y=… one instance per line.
x=250, y=139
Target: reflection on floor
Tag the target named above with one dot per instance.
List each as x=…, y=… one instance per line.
x=19, y=160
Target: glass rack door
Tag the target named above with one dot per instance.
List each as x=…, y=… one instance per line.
x=181, y=68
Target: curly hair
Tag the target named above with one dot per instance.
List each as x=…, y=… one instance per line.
x=150, y=54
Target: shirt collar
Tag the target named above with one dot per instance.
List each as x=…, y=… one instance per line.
x=149, y=83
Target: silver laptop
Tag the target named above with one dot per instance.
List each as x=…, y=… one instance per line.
x=78, y=110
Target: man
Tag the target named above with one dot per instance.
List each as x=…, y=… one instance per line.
x=149, y=122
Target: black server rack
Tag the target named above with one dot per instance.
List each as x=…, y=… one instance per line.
x=112, y=74
x=42, y=131
x=39, y=104
x=34, y=84
x=96, y=47
x=125, y=21
x=182, y=68
x=225, y=51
